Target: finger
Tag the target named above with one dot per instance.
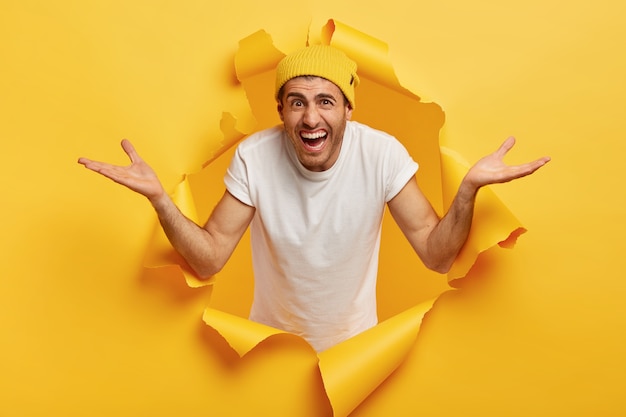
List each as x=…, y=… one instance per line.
x=538, y=163
x=506, y=146
x=130, y=151
x=529, y=168
x=89, y=163
x=96, y=166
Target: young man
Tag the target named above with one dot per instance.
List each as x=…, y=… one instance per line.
x=313, y=191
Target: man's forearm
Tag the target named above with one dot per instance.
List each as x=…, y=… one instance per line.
x=190, y=240
x=439, y=241
x=450, y=234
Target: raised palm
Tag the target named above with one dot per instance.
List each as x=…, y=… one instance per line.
x=491, y=169
x=138, y=176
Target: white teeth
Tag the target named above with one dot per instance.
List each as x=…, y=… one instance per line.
x=314, y=135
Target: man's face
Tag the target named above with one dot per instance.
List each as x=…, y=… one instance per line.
x=314, y=113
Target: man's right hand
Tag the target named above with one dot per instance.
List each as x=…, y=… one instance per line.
x=138, y=176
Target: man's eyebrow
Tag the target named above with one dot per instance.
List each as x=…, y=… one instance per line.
x=319, y=96
x=295, y=94
x=326, y=95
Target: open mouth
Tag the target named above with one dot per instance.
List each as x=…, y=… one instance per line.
x=314, y=141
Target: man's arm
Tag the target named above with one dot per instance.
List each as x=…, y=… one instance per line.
x=207, y=248
x=438, y=241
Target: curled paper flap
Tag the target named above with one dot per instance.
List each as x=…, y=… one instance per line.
x=232, y=131
x=256, y=62
x=191, y=196
x=160, y=253
x=352, y=370
x=257, y=59
x=244, y=335
x=493, y=222
x=370, y=54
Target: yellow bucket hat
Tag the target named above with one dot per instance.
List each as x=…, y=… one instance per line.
x=321, y=61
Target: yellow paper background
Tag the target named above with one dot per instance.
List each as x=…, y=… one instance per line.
x=85, y=331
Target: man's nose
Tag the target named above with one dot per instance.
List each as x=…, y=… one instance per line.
x=311, y=116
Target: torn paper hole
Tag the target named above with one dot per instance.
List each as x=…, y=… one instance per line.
x=352, y=370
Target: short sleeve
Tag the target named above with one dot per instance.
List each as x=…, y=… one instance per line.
x=401, y=168
x=236, y=179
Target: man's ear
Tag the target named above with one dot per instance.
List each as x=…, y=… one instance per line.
x=279, y=108
x=348, y=112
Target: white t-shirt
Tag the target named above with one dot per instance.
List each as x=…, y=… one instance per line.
x=316, y=235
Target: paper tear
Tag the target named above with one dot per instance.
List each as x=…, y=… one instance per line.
x=353, y=369
x=349, y=372
x=160, y=253
x=371, y=54
x=232, y=132
x=492, y=224
x=244, y=335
